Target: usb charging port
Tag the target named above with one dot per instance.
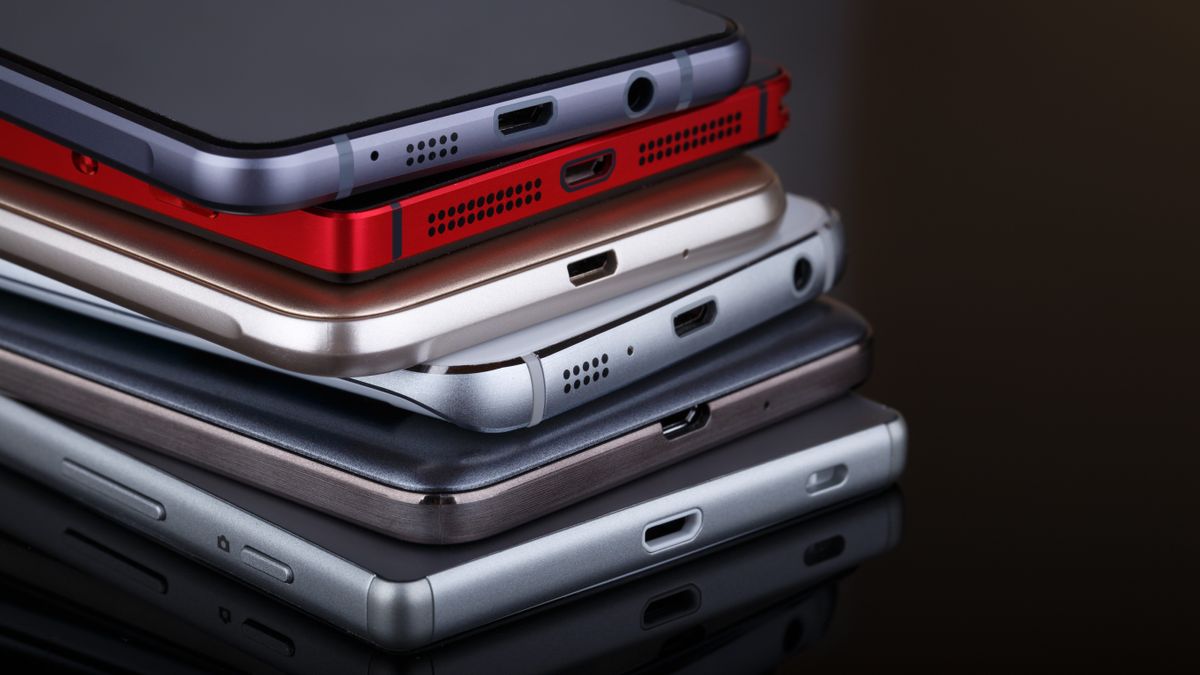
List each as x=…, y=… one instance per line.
x=673, y=531
x=592, y=268
x=528, y=117
x=588, y=171
x=685, y=421
x=694, y=318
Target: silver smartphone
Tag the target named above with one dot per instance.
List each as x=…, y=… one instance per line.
x=779, y=585
x=406, y=318
x=268, y=106
x=523, y=378
x=385, y=591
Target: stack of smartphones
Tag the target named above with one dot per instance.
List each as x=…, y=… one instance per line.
x=474, y=309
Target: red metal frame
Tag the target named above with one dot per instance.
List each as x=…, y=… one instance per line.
x=360, y=243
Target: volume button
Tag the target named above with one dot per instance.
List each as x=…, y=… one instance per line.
x=106, y=487
x=266, y=564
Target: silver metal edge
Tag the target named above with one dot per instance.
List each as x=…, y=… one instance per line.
x=196, y=522
x=610, y=547
x=379, y=343
x=296, y=178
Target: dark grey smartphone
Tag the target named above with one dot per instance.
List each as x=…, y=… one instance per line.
x=267, y=106
x=385, y=590
x=404, y=474
x=777, y=586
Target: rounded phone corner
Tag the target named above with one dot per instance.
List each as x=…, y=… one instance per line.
x=897, y=430
x=400, y=614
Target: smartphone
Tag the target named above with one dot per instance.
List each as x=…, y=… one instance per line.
x=385, y=591
x=366, y=235
x=406, y=475
x=523, y=378
x=413, y=316
x=272, y=106
x=779, y=586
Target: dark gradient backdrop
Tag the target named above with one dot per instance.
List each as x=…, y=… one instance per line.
x=1019, y=183
x=1019, y=180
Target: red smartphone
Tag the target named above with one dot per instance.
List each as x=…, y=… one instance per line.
x=366, y=235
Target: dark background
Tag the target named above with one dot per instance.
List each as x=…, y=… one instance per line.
x=1019, y=184
x=1017, y=179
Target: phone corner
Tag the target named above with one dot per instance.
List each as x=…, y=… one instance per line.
x=400, y=614
x=834, y=234
x=897, y=430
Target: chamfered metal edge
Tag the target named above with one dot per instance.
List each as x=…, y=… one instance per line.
x=268, y=181
x=368, y=340
x=399, y=613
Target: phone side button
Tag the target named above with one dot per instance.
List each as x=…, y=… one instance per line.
x=266, y=564
x=107, y=487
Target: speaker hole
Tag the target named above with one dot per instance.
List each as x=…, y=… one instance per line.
x=374, y=155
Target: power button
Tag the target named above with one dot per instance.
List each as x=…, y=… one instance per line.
x=266, y=564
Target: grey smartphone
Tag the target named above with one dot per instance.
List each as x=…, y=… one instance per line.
x=413, y=316
x=407, y=475
x=523, y=378
x=779, y=584
x=385, y=591
x=269, y=106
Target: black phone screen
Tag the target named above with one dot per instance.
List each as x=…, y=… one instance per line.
x=271, y=72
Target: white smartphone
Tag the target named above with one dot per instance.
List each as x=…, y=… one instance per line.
x=385, y=590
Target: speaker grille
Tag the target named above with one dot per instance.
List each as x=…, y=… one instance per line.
x=715, y=130
x=432, y=149
x=485, y=205
x=585, y=373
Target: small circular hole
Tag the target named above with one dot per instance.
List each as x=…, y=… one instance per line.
x=802, y=274
x=629, y=350
x=374, y=155
x=566, y=388
x=84, y=164
x=640, y=94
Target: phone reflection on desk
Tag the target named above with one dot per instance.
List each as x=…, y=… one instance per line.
x=80, y=589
